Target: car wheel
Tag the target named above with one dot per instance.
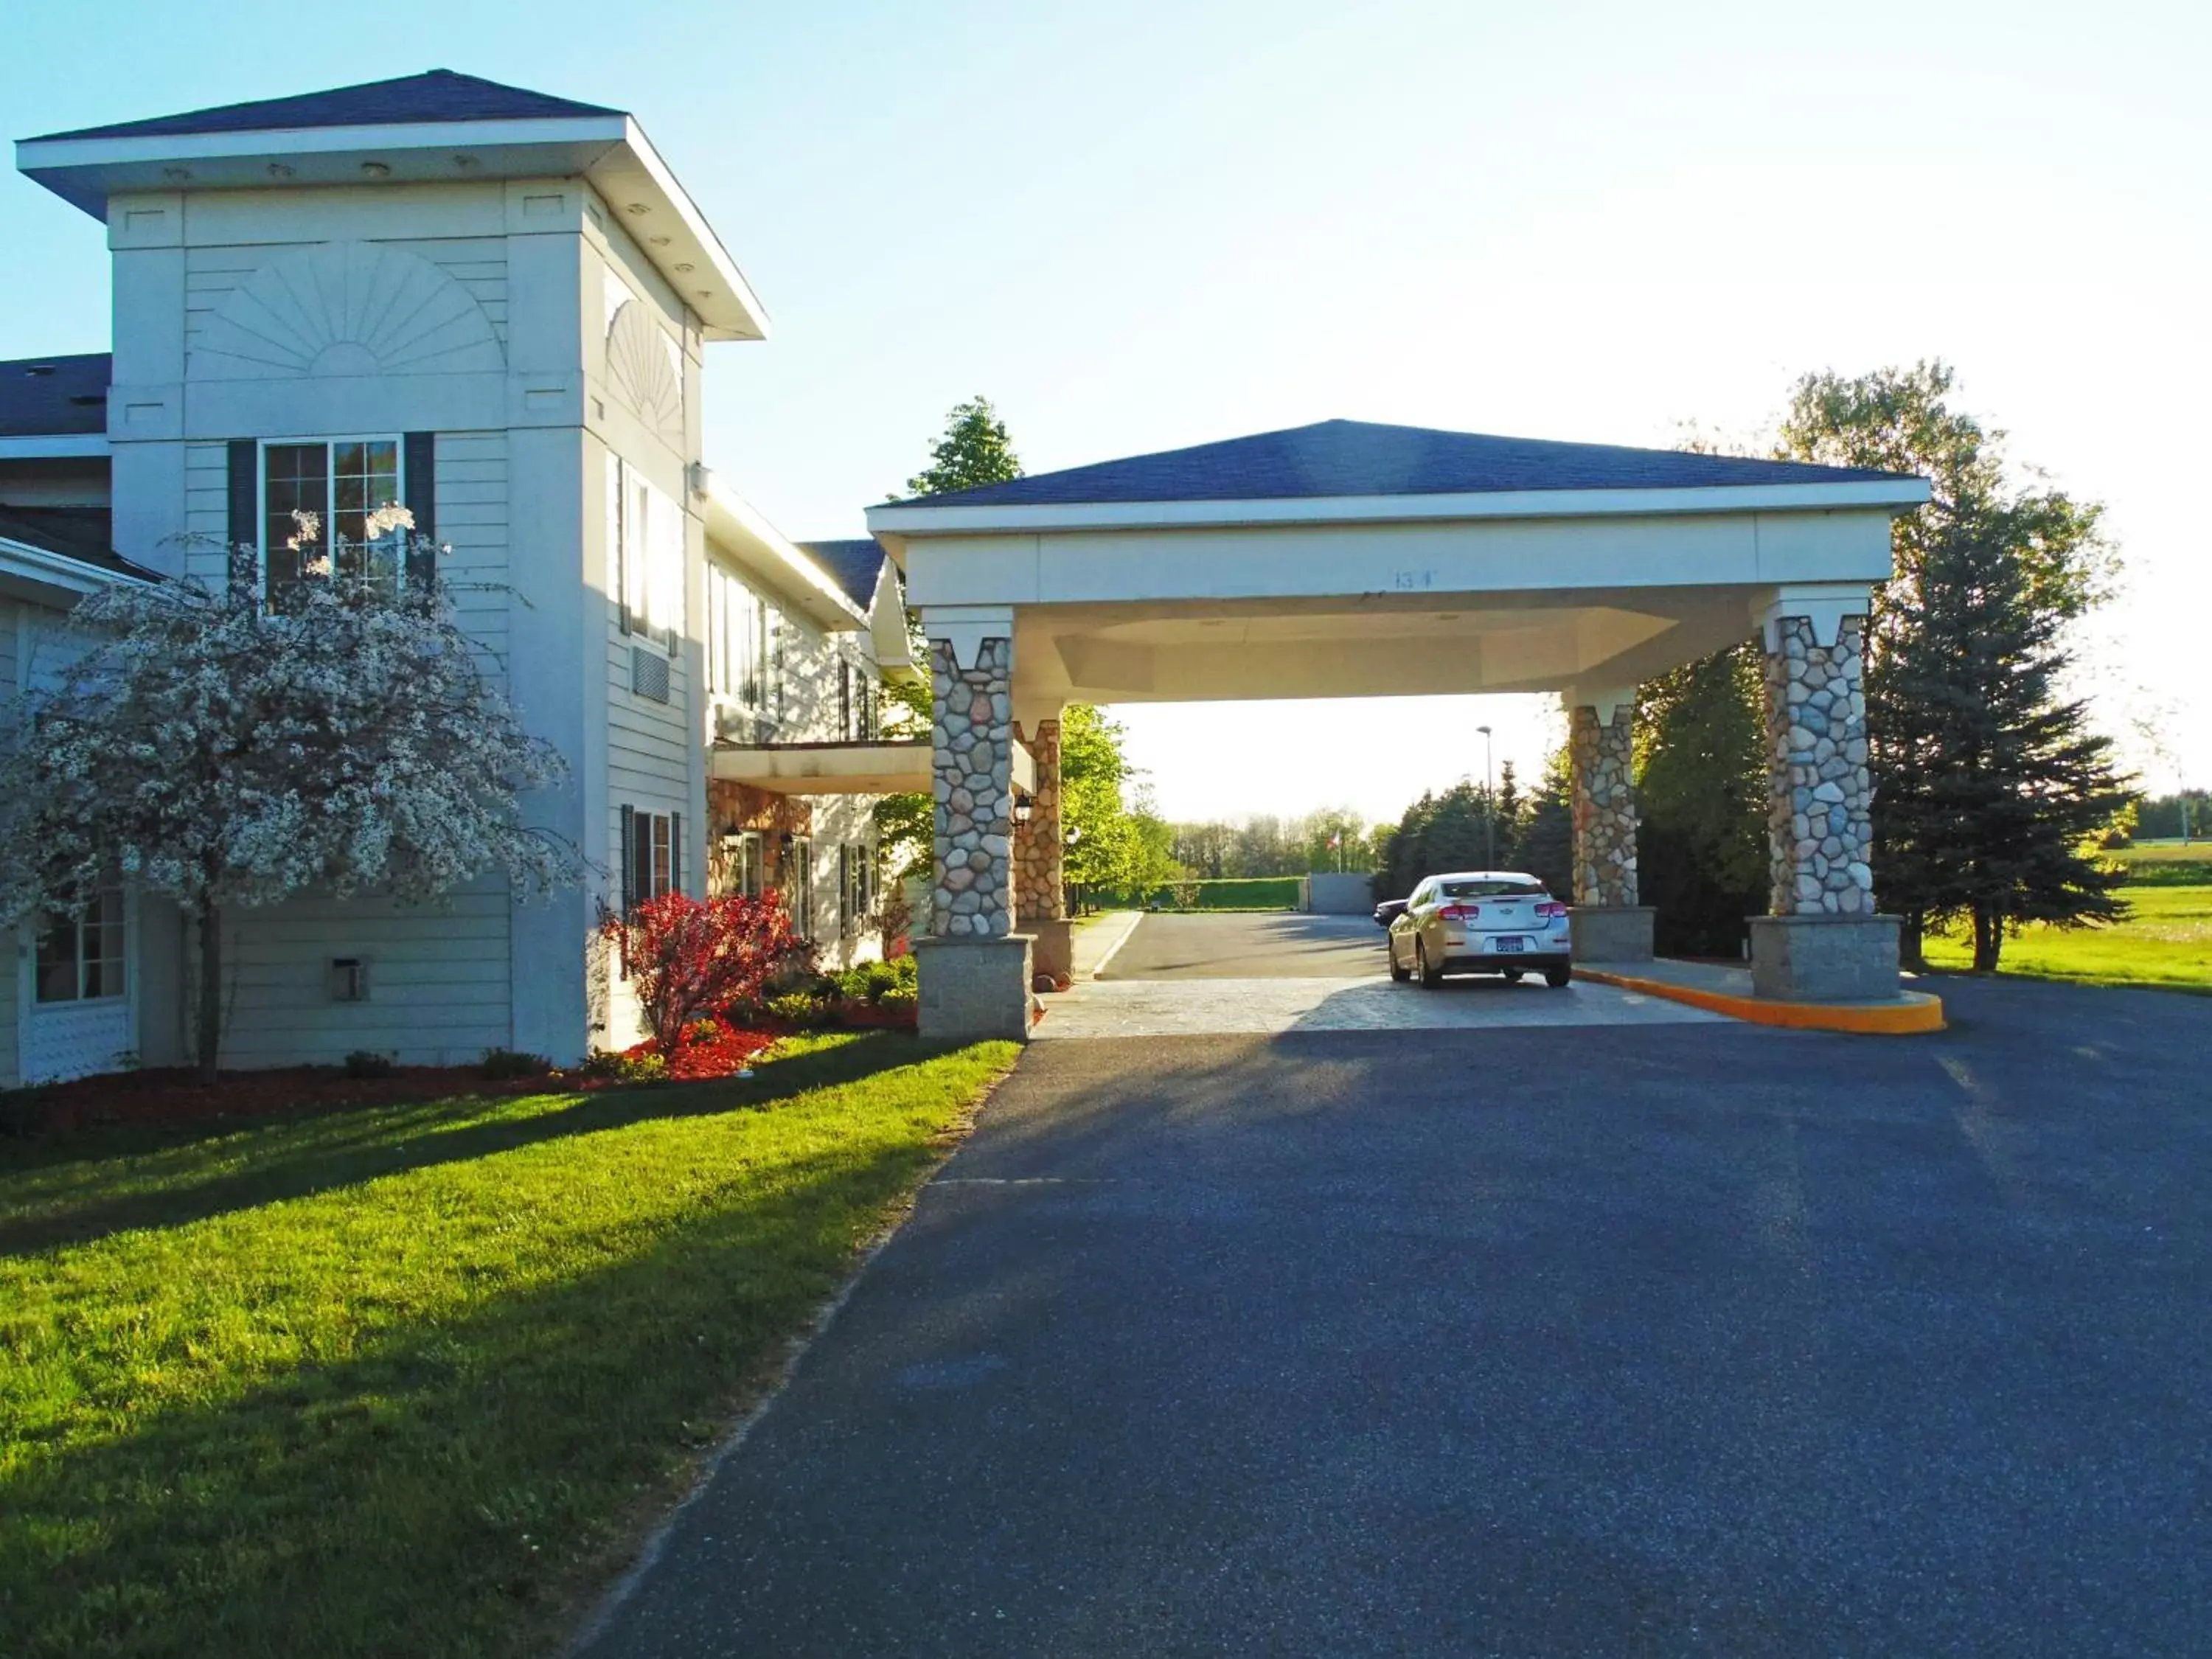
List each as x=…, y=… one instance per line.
x=1430, y=977
x=1512, y=975
x=1556, y=978
x=1401, y=974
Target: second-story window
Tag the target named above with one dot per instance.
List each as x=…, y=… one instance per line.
x=645, y=536
x=856, y=704
x=341, y=483
x=737, y=640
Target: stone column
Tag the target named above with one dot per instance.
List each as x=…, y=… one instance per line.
x=1608, y=923
x=1040, y=878
x=1038, y=887
x=975, y=968
x=972, y=735
x=1823, y=940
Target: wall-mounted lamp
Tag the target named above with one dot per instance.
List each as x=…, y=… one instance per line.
x=1022, y=809
x=1074, y=834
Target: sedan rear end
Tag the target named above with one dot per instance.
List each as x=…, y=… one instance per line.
x=1481, y=922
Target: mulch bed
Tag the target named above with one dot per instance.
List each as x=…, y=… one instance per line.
x=175, y=1094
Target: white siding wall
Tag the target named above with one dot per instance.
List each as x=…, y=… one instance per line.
x=441, y=978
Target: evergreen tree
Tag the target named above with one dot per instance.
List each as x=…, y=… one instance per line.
x=1545, y=845
x=1996, y=785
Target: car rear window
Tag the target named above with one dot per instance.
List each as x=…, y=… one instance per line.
x=1481, y=890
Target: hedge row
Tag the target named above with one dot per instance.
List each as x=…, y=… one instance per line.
x=1240, y=893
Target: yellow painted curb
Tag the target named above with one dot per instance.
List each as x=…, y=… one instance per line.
x=1917, y=1012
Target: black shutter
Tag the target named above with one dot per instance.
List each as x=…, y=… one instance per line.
x=676, y=852
x=245, y=528
x=628, y=859
x=419, y=469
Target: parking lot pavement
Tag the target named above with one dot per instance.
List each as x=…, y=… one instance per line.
x=1231, y=944
x=1686, y=1340
x=1191, y=1005
x=1194, y=976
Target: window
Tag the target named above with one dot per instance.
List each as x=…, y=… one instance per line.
x=652, y=854
x=737, y=640
x=856, y=704
x=80, y=958
x=798, y=885
x=1504, y=887
x=745, y=859
x=856, y=885
x=645, y=541
x=341, y=483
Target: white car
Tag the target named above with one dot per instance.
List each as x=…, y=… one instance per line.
x=1480, y=921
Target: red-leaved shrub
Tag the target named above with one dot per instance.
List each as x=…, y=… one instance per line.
x=686, y=957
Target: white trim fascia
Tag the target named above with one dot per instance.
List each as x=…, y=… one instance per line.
x=601, y=148
x=917, y=520
x=754, y=324
x=72, y=579
x=58, y=447
x=731, y=520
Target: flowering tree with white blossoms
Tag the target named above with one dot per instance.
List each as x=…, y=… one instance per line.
x=228, y=751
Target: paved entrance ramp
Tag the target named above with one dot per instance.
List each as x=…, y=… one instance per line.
x=1198, y=976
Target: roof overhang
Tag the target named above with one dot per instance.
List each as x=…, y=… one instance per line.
x=53, y=447
x=736, y=528
x=44, y=577
x=612, y=151
x=896, y=525
x=843, y=769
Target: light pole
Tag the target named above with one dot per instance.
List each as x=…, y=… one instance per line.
x=1489, y=803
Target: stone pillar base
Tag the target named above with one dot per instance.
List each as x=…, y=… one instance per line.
x=1824, y=958
x=1610, y=933
x=972, y=988
x=1052, y=949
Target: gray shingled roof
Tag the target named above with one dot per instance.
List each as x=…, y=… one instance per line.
x=434, y=95
x=1360, y=457
x=83, y=533
x=48, y=397
x=852, y=565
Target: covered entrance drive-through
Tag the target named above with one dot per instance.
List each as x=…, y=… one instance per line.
x=1352, y=560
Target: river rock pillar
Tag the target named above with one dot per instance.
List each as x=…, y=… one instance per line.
x=1822, y=940
x=1608, y=924
x=1040, y=877
x=974, y=967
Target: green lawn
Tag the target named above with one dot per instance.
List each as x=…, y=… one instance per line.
x=2166, y=941
x=404, y=1380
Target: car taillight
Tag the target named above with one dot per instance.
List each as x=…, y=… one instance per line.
x=1551, y=908
x=1459, y=913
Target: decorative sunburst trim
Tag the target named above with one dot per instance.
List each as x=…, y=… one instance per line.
x=346, y=308
x=644, y=371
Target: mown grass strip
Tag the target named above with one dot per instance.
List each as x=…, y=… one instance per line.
x=400, y=1380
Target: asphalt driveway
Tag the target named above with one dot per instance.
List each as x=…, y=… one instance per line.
x=1237, y=944
x=1696, y=1338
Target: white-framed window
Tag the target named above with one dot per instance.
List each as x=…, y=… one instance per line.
x=798, y=885
x=856, y=704
x=737, y=641
x=81, y=959
x=645, y=545
x=341, y=481
x=744, y=863
x=856, y=885
x=652, y=853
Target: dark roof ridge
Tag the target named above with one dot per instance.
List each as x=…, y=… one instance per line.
x=438, y=94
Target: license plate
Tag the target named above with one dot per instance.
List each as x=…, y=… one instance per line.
x=1509, y=945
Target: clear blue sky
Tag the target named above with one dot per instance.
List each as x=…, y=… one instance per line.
x=1144, y=225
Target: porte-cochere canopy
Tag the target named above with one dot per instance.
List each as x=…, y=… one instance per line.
x=1349, y=559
